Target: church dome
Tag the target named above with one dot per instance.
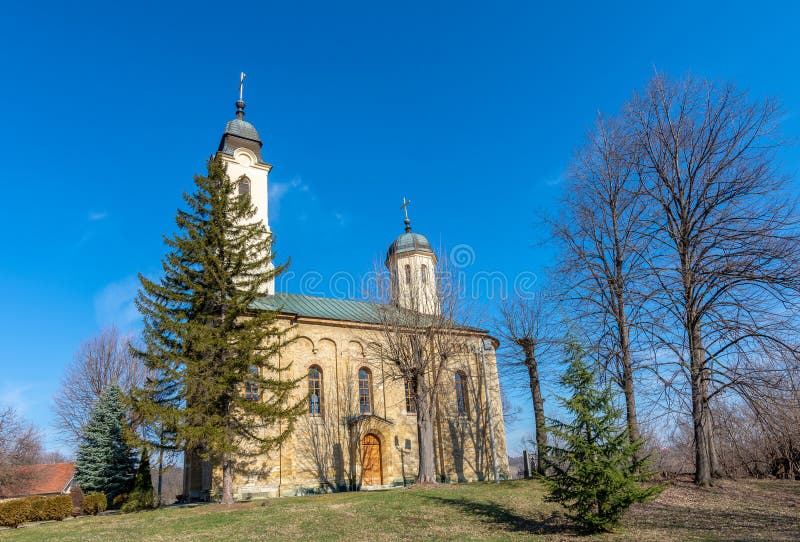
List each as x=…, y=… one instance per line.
x=242, y=128
x=240, y=134
x=409, y=242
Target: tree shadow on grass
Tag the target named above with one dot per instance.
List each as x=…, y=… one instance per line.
x=736, y=524
x=510, y=520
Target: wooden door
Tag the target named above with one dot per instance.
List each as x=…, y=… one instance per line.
x=371, y=461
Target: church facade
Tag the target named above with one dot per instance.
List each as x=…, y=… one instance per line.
x=360, y=425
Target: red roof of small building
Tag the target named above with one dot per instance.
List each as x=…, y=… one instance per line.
x=46, y=479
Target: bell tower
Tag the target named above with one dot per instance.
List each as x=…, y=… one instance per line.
x=240, y=150
x=412, y=268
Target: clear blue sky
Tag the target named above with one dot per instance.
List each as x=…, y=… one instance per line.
x=471, y=110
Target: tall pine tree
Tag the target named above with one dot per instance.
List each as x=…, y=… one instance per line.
x=596, y=470
x=105, y=462
x=204, y=344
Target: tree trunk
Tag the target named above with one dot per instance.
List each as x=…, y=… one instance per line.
x=227, y=479
x=701, y=420
x=427, y=468
x=623, y=329
x=630, y=401
x=538, y=408
x=160, y=472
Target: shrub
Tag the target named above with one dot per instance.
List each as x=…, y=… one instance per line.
x=138, y=500
x=14, y=513
x=94, y=503
x=56, y=508
x=119, y=500
x=37, y=508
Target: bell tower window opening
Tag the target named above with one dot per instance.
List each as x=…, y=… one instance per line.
x=244, y=186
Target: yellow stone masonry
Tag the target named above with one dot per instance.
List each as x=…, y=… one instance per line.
x=324, y=452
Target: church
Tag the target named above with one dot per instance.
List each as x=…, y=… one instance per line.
x=360, y=427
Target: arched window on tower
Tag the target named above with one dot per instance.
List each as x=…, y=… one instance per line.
x=423, y=273
x=408, y=274
x=315, y=390
x=244, y=185
x=461, y=394
x=364, y=391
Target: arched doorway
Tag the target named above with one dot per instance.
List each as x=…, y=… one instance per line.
x=371, y=472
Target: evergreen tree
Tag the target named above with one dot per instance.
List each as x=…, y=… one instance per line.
x=596, y=472
x=141, y=496
x=204, y=344
x=105, y=462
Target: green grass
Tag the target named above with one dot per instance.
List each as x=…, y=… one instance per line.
x=741, y=510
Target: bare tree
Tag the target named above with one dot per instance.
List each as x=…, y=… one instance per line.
x=527, y=324
x=421, y=334
x=331, y=437
x=20, y=444
x=101, y=361
x=602, y=261
x=723, y=242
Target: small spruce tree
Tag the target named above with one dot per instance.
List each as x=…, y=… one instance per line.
x=595, y=470
x=105, y=462
x=215, y=379
x=141, y=496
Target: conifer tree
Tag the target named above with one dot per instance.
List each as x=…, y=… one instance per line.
x=596, y=470
x=105, y=462
x=141, y=496
x=204, y=345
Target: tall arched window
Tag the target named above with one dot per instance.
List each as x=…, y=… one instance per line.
x=461, y=393
x=244, y=186
x=408, y=274
x=411, y=402
x=423, y=273
x=364, y=391
x=251, y=387
x=315, y=391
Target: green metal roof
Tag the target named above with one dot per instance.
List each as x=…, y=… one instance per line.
x=330, y=309
x=320, y=307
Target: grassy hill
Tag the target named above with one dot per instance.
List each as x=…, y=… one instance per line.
x=515, y=510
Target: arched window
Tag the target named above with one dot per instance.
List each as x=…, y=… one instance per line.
x=364, y=391
x=244, y=186
x=461, y=394
x=411, y=402
x=408, y=274
x=315, y=391
x=423, y=273
x=251, y=387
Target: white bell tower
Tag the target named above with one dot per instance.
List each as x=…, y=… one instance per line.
x=240, y=150
x=412, y=268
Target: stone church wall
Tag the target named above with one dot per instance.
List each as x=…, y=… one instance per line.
x=323, y=453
